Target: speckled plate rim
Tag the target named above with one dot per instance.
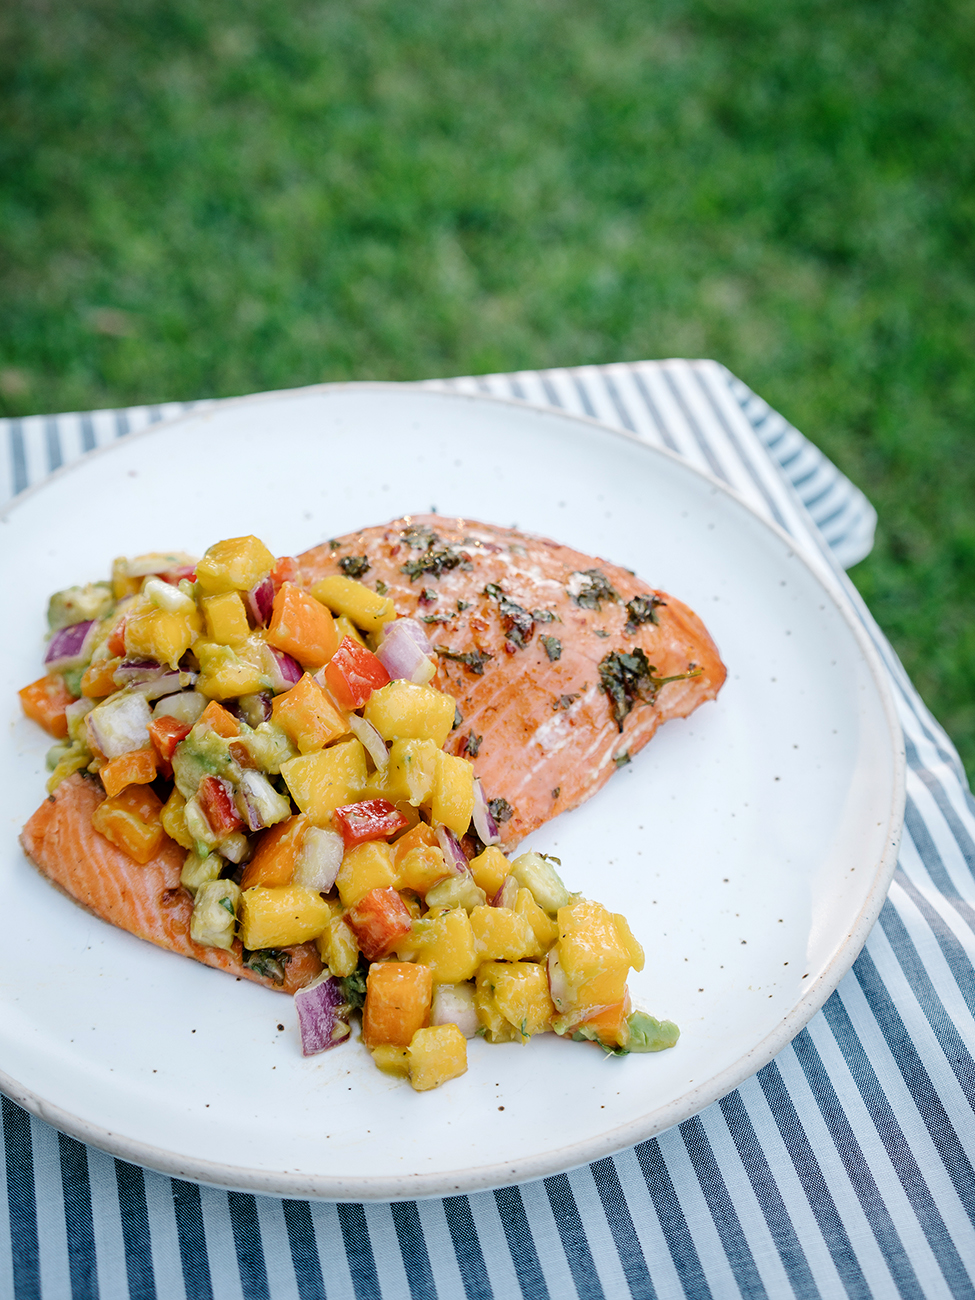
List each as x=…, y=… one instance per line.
x=411, y=1186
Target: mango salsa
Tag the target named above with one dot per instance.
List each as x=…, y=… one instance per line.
x=226, y=709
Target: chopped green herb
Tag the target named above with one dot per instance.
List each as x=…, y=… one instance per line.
x=462, y=605
x=553, y=647
x=550, y=857
x=473, y=659
x=268, y=962
x=587, y=1035
x=354, y=988
x=600, y=631
x=435, y=618
x=556, y=792
x=630, y=679
x=428, y=596
x=381, y=587
x=420, y=538
x=590, y=587
x=518, y=624
x=564, y=702
x=228, y=905
x=545, y=616
x=473, y=745
x=458, y=718
x=501, y=810
x=436, y=562
x=354, y=566
x=622, y=758
x=334, y=544
x=640, y=610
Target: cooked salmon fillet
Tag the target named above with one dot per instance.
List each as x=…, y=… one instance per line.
x=148, y=901
x=546, y=645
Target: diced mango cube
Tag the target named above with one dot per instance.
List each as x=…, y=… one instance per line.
x=173, y=819
x=236, y=564
x=489, y=870
x=281, y=917
x=502, y=935
x=130, y=821
x=308, y=716
x=404, y=711
x=276, y=856
x=338, y=948
x=45, y=702
x=593, y=957
x=303, y=628
x=452, y=798
x=138, y=767
x=226, y=618
x=392, y=1060
x=522, y=996
x=354, y=600
x=324, y=781
x=436, y=1055
x=398, y=997
x=224, y=673
x=154, y=633
x=497, y=1029
x=544, y=928
x=411, y=772
x=366, y=867
x=446, y=944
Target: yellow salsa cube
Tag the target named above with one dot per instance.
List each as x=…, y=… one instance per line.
x=521, y=995
x=281, y=916
x=446, y=944
x=354, y=601
x=411, y=772
x=436, y=1055
x=236, y=564
x=323, y=781
x=489, y=870
x=452, y=799
x=226, y=618
x=366, y=867
x=309, y=717
x=404, y=711
x=502, y=935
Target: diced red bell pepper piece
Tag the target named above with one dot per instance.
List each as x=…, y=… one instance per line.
x=378, y=920
x=218, y=806
x=166, y=733
x=285, y=570
x=353, y=673
x=372, y=819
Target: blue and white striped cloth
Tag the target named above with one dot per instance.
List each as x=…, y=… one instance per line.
x=844, y=1168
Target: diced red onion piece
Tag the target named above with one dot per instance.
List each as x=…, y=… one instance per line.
x=371, y=740
x=508, y=893
x=401, y=654
x=283, y=671
x=137, y=670
x=167, y=683
x=322, y=1014
x=67, y=648
x=416, y=630
x=235, y=847
x=453, y=854
x=260, y=600
x=120, y=725
x=484, y=823
x=319, y=859
x=453, y=1004
x=76, y=710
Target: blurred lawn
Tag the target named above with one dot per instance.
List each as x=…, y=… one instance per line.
x=200, y=197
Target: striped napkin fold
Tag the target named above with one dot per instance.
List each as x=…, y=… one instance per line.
x=844, y=1168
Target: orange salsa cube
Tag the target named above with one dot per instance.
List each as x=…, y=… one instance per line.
x=130, y=821
x=45, y=701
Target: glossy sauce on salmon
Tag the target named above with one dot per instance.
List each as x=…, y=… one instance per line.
x=546, y=651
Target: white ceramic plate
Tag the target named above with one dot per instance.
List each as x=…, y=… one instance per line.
x=750, y=845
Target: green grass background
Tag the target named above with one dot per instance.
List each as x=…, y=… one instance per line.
x=207, y=197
